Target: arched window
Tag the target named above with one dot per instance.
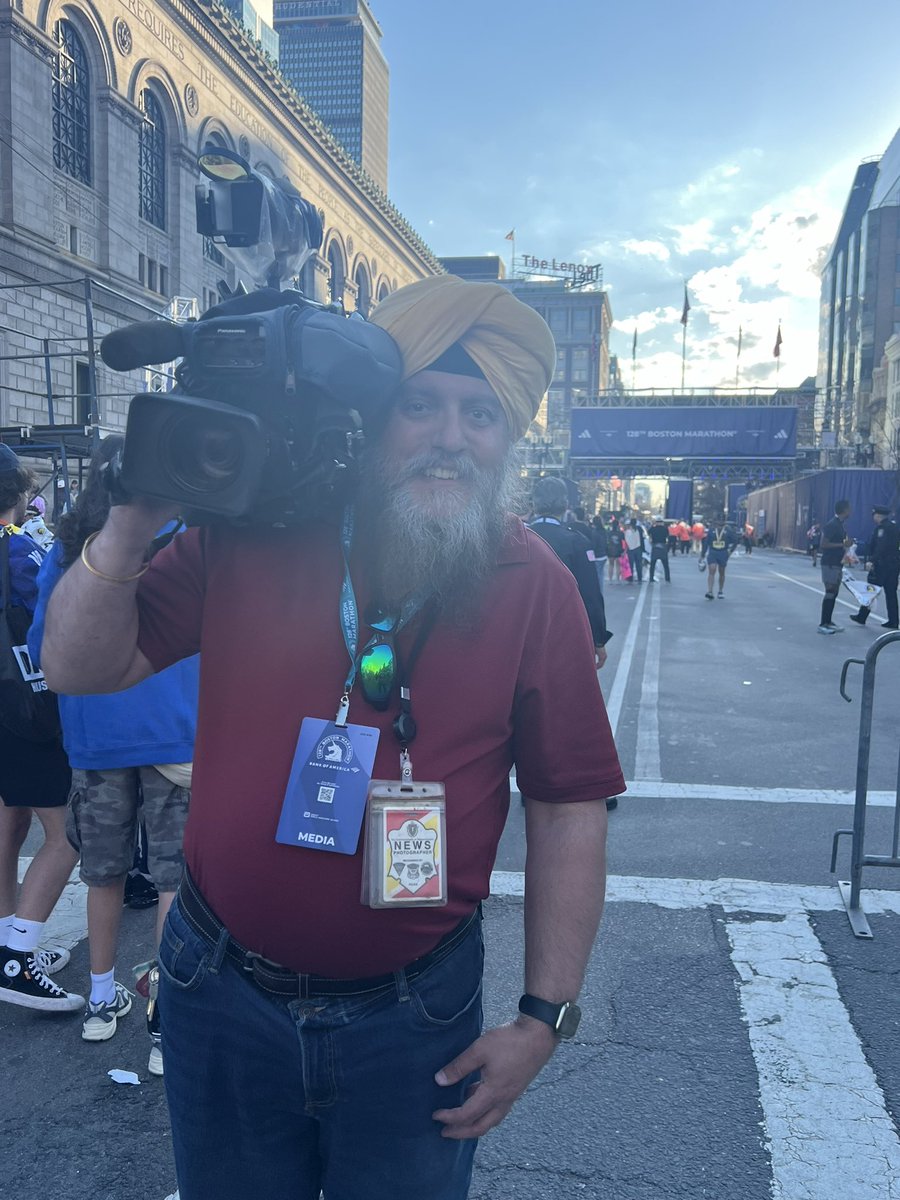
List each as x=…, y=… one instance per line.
x=71, y=105
x=152, y=180
x=363, y=291
x=336, y=266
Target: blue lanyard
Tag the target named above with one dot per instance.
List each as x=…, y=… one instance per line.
x=350, y=615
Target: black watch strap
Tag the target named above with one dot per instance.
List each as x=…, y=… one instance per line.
x=562, y=1018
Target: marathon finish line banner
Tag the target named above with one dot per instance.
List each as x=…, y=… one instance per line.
x=683, y=433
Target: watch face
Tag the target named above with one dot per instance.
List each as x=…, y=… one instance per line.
x=568, y=1021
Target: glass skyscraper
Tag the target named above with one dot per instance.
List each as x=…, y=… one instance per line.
x=247, y=16
x=330, y=52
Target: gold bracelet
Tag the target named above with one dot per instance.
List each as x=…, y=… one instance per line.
x=100, y=574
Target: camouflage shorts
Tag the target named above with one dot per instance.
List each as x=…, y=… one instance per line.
x=102, y=817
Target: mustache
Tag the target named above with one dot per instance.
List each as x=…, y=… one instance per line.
x=462, y=463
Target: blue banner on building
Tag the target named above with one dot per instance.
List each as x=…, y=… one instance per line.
x=683, y=433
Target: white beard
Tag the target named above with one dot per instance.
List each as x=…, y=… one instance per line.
x=445, y=542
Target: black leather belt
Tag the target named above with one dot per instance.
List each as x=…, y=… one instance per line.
x=272, y=977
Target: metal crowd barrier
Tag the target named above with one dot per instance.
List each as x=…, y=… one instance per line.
x=850, y=889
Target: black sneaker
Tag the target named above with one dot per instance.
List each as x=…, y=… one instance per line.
x=888, y=625
x=140, y=892
x=710, y=596
x=23, y=982
x=53, y=959
x=857, y=618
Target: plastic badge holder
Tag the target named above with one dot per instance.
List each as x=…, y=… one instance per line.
x=404, y=863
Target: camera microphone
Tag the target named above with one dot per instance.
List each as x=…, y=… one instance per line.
x=141, y=344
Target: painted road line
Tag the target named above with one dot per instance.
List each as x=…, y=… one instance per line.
x=819, y=591
x=617, y=693
x=646, y=789
x=827, y=1125
x=642, y=789
x=646, y=759
x=734, y=895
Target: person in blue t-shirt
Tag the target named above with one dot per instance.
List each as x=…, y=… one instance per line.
x=130, y=753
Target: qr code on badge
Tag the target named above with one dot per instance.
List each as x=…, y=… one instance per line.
x=326, y=795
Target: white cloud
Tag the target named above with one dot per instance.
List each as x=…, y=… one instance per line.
x=647, y=248
x=715, y=183
x=758, y=271
x=644, y=322
x=694, y=237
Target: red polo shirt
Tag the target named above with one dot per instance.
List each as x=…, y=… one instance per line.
x=262, y=607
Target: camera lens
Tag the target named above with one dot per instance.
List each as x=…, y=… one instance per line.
x=202, y=457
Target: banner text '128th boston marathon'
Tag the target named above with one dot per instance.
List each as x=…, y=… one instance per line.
x=683, y=433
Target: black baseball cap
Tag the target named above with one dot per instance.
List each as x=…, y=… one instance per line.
x=881, y=510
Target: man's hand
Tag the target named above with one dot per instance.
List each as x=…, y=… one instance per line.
x=508, y=1058
x=599, y=656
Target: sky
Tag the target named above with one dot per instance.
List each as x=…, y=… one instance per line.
x=713, y=143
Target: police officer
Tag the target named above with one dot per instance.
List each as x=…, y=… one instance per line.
x=883, y=552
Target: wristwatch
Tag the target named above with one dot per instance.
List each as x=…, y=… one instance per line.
x=562, y=1018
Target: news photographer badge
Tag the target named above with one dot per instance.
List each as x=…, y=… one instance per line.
x=404, y=864
x=325, y=799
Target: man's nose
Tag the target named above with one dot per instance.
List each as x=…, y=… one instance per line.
x=450, y=433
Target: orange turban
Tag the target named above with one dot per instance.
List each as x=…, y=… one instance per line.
x=508, y=342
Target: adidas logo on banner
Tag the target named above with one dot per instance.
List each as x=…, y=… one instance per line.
x=782, y=433
x=584, y=434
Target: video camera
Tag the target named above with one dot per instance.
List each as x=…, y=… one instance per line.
x=273, y=392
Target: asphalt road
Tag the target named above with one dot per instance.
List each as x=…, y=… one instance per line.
x=738, y=1042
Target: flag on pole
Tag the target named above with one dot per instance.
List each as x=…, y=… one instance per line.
x=778, y=340
x=686, y=309
x=634, y=343
x=511, y=236
x=740, y=339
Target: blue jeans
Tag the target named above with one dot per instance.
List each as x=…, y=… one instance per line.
x=279, y=1097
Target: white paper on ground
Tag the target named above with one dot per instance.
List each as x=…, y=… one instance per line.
x=118, y=1076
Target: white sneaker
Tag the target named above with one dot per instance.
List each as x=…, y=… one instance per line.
x=155, y=1062
x=100, y=1019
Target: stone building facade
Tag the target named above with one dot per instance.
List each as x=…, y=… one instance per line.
x=104, y=107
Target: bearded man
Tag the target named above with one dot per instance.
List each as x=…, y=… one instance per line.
x=320, y=989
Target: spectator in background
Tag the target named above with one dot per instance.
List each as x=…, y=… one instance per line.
x=130, y=752
x=634, y=543
x=835, y=542
x=698, y=533
x=34, y=779
x=684, y=536
x=813, y=541
x=575, y=551
x=34, y=524
x=615, y=548
x=717, y=547
x=601, y=547
x=659, y=548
